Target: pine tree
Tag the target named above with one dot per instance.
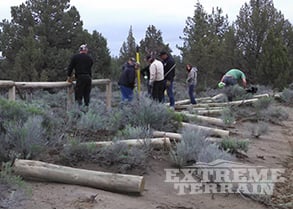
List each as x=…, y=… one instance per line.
x=55, y=32
x=128, y=48
x=153, y=42
x=203, y=43
x=258, y=26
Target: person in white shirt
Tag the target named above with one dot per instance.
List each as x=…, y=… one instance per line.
x=156, y=78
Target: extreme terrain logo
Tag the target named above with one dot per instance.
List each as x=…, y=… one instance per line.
x=223, y=176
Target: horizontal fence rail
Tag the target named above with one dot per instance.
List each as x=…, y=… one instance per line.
x=11, y=85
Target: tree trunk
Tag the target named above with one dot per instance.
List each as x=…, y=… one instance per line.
x=68, y=175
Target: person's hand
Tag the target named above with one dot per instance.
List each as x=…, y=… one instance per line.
x=168, y=83
x=151, y=83
x=69, y=79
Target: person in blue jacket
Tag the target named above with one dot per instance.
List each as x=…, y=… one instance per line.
x=127, y=80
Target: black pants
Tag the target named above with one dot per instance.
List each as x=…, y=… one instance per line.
x=83, y=89
x=158, y=91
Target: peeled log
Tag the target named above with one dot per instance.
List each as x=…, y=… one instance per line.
x=69, y=175
x=208, y=130
x=210, y=120
x=176, y=136
x=154, y=142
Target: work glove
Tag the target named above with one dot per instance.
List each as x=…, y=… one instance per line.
x=168, y=83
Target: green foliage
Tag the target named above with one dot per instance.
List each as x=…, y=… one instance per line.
x=274, y=114
x=235, y=92
x=227, y=116
x=287, y=96
x=193, y=147
x=262, y=35
x=147, y=113
x=262, y=103
x=119, y=155
x=75, y=152
x=12, y=110
x=153, y=42
x=124, y=157
x=38, y=45
x=136, y=132
x=258, y=130
x=203, y=38
x=211, y=153
x=128, y=48
x=7, y=176
x=232, y=145
x=25, y=139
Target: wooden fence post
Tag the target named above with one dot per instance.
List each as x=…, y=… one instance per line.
x=11, y=93
x=108, y=95
x=70, y=91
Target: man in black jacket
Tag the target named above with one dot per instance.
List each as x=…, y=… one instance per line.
x=82, y=64
x=169, y=74
x=127, y=79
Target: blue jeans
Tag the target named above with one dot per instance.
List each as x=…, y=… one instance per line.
x=126, y=93
x=191, y=94
x=229, y=81
x=170, y=93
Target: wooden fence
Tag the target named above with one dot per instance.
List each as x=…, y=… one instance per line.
x=11, y=85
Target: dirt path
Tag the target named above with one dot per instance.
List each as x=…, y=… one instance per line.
x=273, y=149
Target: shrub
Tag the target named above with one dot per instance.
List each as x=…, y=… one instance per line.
x=235, y=92
x=188, y=149
x=7, y=176
x=262, y=103
x=227, y=116
x=193, y=147
x=232, y=145
x=287, y=96
x=130, y=132
x=273, y=114
x=17, y=110
x=259, y=129
x=146, y=112
x=75, y=152
x=123, y=157
x=25, y=139
x=118, y=155
x=212, y=152
x=96, y=118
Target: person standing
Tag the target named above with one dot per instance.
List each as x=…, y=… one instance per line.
x=169, y=74
x=127, y=80
x=231, y=78
x=156, y=78
x=191, y=81
x=146, y=75
x=82, y=64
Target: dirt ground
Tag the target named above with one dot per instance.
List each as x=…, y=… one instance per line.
x=275, y=149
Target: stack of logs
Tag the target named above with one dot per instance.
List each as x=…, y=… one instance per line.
x=131, y=183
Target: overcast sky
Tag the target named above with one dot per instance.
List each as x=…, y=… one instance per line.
x=113, y=18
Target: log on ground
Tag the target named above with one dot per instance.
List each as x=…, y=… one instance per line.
x=210, y=120
x=208, y=130
x=157, y=143
x=68, y=175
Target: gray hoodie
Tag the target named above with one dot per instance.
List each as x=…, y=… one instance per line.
x=192, y=76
